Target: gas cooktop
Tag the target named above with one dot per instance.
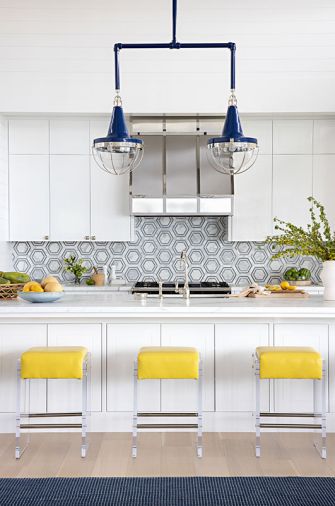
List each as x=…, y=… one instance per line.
x=203, y=288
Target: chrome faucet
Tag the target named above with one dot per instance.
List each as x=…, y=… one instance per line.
x=185, y=291
x=160, y=289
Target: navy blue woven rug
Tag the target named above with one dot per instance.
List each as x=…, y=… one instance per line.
x=197, y=491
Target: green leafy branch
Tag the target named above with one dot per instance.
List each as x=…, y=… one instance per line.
x=317, y=241
x=75, y=266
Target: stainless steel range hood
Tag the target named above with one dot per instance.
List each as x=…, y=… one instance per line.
x=175, y=177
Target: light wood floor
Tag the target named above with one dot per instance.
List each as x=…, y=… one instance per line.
x=167, y=454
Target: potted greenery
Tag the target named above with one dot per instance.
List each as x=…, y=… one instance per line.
x=317, y=241
x=76, y=267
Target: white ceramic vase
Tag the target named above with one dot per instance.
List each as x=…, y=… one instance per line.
x=328, y=279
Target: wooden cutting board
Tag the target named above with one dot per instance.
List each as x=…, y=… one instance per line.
x=296, y=294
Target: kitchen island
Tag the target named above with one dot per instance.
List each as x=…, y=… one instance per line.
x=114, y=326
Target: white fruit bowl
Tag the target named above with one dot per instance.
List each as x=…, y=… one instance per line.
x=40, y=296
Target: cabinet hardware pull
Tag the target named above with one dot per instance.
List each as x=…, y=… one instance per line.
x=87, y=237
x=93, y=237
x=46, y=237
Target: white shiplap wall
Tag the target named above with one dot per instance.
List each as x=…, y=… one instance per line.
x=5, y=250
x=56, y=55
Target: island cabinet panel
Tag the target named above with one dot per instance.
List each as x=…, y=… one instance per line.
x=14, y=340
x=123, y=343
x=65, y=395
x=297, y=395
x=182, y=395
x=235, y=345
x=331, y=368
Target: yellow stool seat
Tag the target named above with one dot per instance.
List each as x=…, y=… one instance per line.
x=289, y=362
x=168, y=362
x=53, y=362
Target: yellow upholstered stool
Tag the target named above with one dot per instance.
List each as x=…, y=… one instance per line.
x=291, y=362
x=54, y=362
x=168, y=362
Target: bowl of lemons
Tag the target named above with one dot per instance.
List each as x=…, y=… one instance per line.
x=48, y=290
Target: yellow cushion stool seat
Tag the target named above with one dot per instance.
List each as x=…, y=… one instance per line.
x=53, y=362
x=168, y=362
x=289, y=362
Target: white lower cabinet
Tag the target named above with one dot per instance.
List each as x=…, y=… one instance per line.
x=181, y=395
x=331, y=368
x=123, y=343
x=297, y=395
x=235, y=376
x=14, y=340
x=65, y=395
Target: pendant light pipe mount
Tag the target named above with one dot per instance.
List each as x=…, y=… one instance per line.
x=223, y=151
x=177, y=45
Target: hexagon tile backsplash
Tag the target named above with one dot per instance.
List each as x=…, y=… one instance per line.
x=154, y=255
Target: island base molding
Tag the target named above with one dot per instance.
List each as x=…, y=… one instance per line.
x=121, y=422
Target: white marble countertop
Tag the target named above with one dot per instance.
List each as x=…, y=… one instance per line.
x=111, y=305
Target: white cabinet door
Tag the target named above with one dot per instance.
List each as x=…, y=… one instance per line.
x=14, y=340
x=291, y=136
x=297, y=395
x=181, y=395
x=69, y=197
x=252, y=219
x=331, y=369
x=28, y=137
x=110, y=218
x=28, y=197
x=323, y=184
x=123, y=343
x=235, y=377
x=65, y=395
x=69, y=137
x=292, y=184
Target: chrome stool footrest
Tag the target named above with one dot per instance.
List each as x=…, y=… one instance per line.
x=51, y=426
x=167, y=425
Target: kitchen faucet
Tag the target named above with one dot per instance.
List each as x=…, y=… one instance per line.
x=185, y=291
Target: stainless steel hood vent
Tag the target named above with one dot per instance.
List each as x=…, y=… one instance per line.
x=175, y=177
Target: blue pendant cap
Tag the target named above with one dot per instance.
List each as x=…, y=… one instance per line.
x=117, y=131
x=232, y=129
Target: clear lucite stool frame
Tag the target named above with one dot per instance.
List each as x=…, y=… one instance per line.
x=198, y=415
x=319, y=398
x=84, y=414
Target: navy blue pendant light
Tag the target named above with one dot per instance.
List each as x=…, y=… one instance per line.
x=232, y=153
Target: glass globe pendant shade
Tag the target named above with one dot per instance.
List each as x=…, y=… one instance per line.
x=232, y=153
x=117, y=153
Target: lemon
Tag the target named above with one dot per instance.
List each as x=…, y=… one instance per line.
x=292, y=288
x=285, y=285
x=32, y=286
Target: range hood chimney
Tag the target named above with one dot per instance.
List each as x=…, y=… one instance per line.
x=176, y=177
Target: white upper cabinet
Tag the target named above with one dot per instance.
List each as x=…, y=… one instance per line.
x=28, y=197
x=292, y=137
x=109, y=205
x=69, y=137
x=50, y=163
x=292, y=184
x=324, y=133
x=110, y=219
x=324, y=183
x=69, y=197
x=252, y=218
x=29, y=137
x=292, y=170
